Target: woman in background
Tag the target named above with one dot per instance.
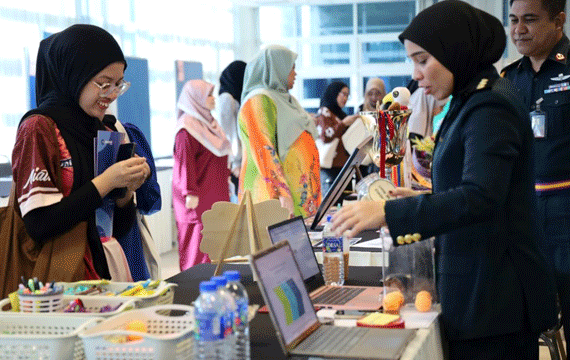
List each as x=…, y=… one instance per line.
x=332, y=123
x=200, y=173
x=231, y=85
x=374, y=92
x=281, y=160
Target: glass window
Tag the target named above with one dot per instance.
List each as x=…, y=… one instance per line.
x=330, y=54
x=315, y=88
x=390, y=81
x=330, y=20
x=276, y=22
x=383, y=52
x=382, y=17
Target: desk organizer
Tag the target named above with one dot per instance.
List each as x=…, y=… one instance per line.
x=167, y=337
x=41, y=303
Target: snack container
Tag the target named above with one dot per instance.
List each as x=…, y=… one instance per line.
x=37, y=336
x=162, y=294
x=167, y=337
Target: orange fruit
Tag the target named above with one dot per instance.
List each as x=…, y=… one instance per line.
x=136, y=325
x=423, y=301
x=393, y=301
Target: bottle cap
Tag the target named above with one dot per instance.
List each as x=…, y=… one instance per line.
x=329, y=218
x=207, y=286
x=232, y=275
x=219, y=280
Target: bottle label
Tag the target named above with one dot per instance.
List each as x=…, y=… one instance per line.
x=207, y=326
x=332, y=244
x=242, y=312
x=226, y=324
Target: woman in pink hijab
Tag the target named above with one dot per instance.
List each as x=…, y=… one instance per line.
x=200, y=174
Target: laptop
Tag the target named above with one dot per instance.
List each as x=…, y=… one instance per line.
x=335, y=297
x=298, y=329
x=341, y=181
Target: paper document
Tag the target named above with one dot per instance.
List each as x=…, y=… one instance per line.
x=373, y=243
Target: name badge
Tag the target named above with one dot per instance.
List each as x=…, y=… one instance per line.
x=538, y=123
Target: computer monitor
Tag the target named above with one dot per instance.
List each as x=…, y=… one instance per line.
x=342, y=180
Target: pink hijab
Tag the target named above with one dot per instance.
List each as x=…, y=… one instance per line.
x=196, y=118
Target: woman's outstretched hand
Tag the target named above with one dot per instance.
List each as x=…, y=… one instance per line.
x=358, y=216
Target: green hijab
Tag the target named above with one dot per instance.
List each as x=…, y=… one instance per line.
x=267, y=74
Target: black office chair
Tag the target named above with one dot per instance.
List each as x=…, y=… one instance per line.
x=553, y=339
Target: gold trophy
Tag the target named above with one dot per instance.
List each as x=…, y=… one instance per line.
x=389, y=128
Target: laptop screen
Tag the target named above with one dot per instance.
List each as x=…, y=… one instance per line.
x=294, y=231
x=286, y=296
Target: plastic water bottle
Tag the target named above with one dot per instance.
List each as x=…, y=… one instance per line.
x=237, y=290
x=228, y=318
x=333, y=258
x=207, y=314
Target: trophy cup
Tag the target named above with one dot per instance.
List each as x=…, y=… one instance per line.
x=389, y=129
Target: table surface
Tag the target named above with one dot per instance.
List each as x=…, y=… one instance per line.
x=264, y=342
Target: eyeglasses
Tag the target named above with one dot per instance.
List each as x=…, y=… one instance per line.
x=345, y=94
x=107, y=89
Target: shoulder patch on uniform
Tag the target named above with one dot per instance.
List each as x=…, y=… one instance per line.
x=482, y=84
x=510, y=66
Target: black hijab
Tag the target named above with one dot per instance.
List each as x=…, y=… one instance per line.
x=330, y=96
x=66, y=62
x=231, y=80
x=462, y=38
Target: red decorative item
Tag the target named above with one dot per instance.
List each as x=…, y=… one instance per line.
x=384, y=119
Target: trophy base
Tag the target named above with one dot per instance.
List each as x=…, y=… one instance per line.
x=373, y=187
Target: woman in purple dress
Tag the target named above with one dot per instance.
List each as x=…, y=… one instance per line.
x=200, y=174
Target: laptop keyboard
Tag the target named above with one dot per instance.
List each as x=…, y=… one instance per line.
x=332, y=340
x=338, y=295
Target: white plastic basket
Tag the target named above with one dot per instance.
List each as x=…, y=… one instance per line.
x=93, y=305
x=41, y=303
x=167, y=337
x=162, y=295
x=36, y=336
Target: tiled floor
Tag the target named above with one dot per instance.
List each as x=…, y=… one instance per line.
x=170, y=268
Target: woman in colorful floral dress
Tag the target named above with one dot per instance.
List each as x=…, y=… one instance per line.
x=280, y=159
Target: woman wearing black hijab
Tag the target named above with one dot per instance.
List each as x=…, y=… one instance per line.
x=494, y=286
x=332, y=123
x=79, y=72
x=231, y=86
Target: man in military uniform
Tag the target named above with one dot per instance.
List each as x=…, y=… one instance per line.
x=542, y=77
